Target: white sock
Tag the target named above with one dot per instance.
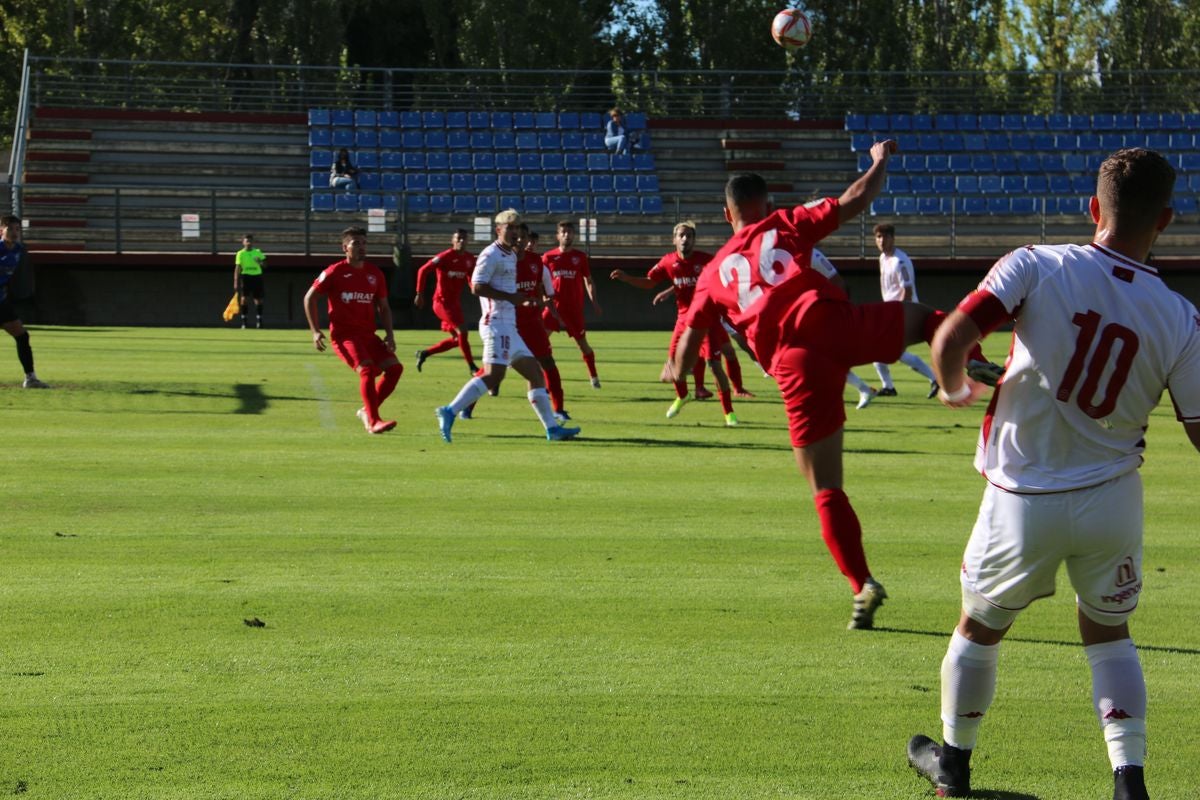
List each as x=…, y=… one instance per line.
x=1119, y=697
x=885, y=375
x=968, y=686
x=915, y=363
x=857, y=383
x=471, y=391
x=540, y=400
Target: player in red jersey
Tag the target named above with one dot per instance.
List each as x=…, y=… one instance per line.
x=572, y=274
x=452, y=269
x=682, y=267
x=357, y=292
x=807, y=335
x=534, y=281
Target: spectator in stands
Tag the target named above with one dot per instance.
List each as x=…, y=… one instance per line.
x=248, y=277
x=616, y=138
x=343, y=174
x=11, y=253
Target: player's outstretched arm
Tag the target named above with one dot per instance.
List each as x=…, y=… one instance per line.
x=952, y=342
x=624, y=277
x=665, y=294
x=858, y=195
x=310, y=313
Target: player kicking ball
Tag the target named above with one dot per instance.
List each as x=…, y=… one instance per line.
x=494, y=282
x=357, y=294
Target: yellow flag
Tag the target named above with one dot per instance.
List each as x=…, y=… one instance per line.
x=232, y=309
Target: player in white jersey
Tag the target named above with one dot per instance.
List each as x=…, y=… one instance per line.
x=494, y=282
x=897, y=281
x=1097, y=338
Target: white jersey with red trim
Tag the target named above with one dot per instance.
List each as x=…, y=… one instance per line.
x=895, y=275
x=1097, y=339
x=497, y=267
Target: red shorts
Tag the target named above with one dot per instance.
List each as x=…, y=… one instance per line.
x=818, y=349
x=710, y=348
x=533, y=333
x=451, y=316
x=363, y=349
x=573, y=319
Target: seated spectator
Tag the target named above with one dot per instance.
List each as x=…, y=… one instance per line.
x=343, y=173
x=616, y=138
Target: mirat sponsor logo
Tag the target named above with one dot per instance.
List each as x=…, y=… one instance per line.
x=357, y=297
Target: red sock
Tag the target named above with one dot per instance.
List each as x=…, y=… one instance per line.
x=733, y=368
x=681, y=389
x=442, y=346
x=931, y=325
x=366, y=387
x=698, y=374
x=590, y=360
x=387, y=382
x=554, y=386
x=464, y=344
x=843, y=535
x=726, y=400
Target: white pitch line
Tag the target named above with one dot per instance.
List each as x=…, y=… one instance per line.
x=324, y=404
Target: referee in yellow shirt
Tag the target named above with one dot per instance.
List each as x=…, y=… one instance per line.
x=248, y=277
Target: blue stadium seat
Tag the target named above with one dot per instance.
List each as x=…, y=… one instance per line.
x=568, y=121
x=1012, y=122
x=437, y=162
x=319, y=116
x=461, y=160
x=1158, y=140
x=1012, y=184
x=435, y=139
x=1191, y=120
x=882, y=205
x=502, y=121
x=1083, y=184
x=456, y=119
x=906, y=204
x=967, y=184
x=629, y=204
x=441, y=203
x=368, y=181
x=602, y=182
x=1060, y=184
x=487, y=182
x=346, y=201
x=1024, y=205
x=458, y=139
x=581, y=204
x=922, y=123
x=1181, y=183
x=897, y=183
x=483, y=161
x=621, y=163
x=1193, y=182
x=579, y=183
x=1066, y=142
x=643, y=162
x=1184, y=204
x=1112, y=141
x=342, y=137
x=414, y=160
x=389, y=138
x=462, y=182
x=391, y=202
x=412, y=140
x=433, y=119
x=369, y=201
x=864, y=163
x=486, y=204
x=1181, y=140
x=416, y=182
x=989, y=122
x=625, y=184
x=878, y=122
x=952, y=142
x=1079, y=122
x=523, y=120
x=905, y=142
x=509, y=182
x=605, y=204
x=391, y=160
x=342, y=117
x=996, y=141
x=990, y=184
x=320, y=137
x=1149, y=121
x=1006, y=162
x=1037, y=184
x=937, y=162
x=945, y=122
x=1190, y=162
x=318, y=180
x=597, y=162
x=392, y=181
x=974, y=142
x=532, y=183
x=652, y=204
x=960, y=162
x=506, y=162
x=1034, y=122
x=1058, y=122
x=636, y=121
x=983, y=162
x=591, y=119
x=535, y=204
x=410, y=119
x=861, y=142
x=913, y=163
x=366, y=159
x=928, y=204
x=922, y=184
x=480, y=140
x=558, y=204
x=479, y=120
x=504, y=140
x=943, y=184
x=322, y=201
x=545, y=120
x=1074, y=162
x=552, y=162
x=1103, y=122
x=593, y=141
x=556, y=183
x=572, y=140
x=527, y=140
x=1124, y=122
x=1020, y=140
x=364, y=118
x=930, y=142
x=1087, y=141
x=900, y=122
x=575, y=162
x=464, y=204
x=1029, y=162
x=1043, y=142
x=968, y=122
x=647, y=183
x=999, y=204
x=389, y=119
x=512, y=201
x=854, y=122
x=549, y=140
x=527, y=162
x=974, y=205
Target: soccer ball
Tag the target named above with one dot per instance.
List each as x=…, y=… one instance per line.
x=791, y=29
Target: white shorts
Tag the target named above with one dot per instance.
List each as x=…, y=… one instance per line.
x=502, y=344
x=1019, y=541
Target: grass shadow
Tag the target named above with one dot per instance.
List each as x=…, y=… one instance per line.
x=1151, y=648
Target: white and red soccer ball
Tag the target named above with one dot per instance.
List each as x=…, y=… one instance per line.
x=791, y=29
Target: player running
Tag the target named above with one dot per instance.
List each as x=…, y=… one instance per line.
x=534, y=282
x=451, y=269
x=1097, y=337
x=572, y=274
x=897, y=281
x=807, y=334
x=357, y=293
x=494, y=282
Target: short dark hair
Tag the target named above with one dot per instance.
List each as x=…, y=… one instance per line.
x=886, y=228
x=566, y=225
x=533, y=236
x=352, y=231
x=1134, y=186
x=10, y=219
x=461, y=232
x=745, y=187
x=249, y=236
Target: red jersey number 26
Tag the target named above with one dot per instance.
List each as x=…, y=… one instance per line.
x=1110, y=335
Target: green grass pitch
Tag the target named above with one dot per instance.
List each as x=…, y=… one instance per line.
x=647, y=612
